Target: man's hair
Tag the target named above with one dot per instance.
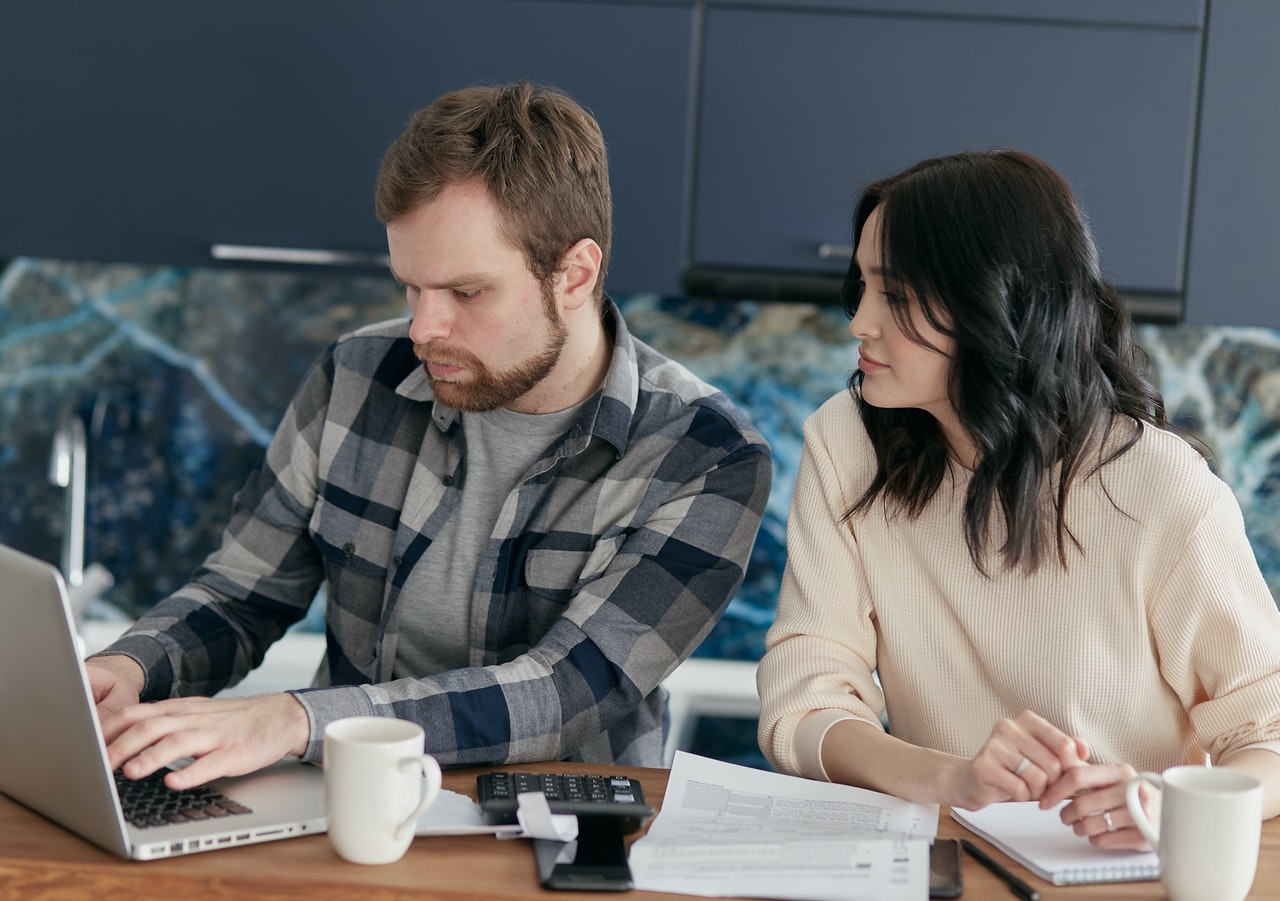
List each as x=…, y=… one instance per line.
x=540, y=155
x=995, y=253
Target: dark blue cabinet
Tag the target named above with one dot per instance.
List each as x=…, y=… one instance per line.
x=739, y=130
x=151, y=130
x=800, y=109
x=1233, y=276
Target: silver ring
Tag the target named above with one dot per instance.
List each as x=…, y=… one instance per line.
x=1021, y=767
x=1106, y=818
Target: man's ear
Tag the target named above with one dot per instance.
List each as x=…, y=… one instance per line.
x=580, y=268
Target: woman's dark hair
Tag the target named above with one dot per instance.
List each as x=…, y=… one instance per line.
x=995, y=253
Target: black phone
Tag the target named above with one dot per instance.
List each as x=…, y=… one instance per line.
x=595, y=862
x=944, y=869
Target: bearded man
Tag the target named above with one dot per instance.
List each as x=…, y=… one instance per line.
x=523, y=518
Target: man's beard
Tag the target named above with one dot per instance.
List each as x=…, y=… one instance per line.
x=485, y=390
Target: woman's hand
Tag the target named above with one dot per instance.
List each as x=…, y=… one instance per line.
x=1098, y=811
x=1020, y=760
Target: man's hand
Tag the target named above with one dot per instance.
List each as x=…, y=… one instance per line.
x=116, y=682
x=226, y=736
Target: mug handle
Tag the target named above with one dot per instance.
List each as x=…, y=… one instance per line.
x=1134, y=803
x=431, y=779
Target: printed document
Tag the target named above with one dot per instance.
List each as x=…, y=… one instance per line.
x=733, y=830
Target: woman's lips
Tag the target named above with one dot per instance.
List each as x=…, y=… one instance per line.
x=870, y=364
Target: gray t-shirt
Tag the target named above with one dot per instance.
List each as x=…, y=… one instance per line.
x=435, y=613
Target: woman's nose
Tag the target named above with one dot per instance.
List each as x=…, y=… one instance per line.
x=864, y=323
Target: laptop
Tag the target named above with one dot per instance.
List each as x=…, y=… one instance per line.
x=54, y=761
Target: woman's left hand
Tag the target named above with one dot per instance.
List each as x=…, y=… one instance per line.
x=1098, y=810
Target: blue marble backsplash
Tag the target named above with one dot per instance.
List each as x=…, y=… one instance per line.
x=177, y=378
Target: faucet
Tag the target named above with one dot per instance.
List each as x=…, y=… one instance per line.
x=68, y=469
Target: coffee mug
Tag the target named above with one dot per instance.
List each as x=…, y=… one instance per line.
x=377, y=782
x=1210, y=826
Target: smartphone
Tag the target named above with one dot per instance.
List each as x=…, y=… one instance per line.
x=944, y=869
x=595, y=862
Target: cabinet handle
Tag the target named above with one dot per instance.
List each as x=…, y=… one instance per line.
x=303, y=255
x=835, y=251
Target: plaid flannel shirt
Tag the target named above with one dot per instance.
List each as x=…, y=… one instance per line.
x=611, y=560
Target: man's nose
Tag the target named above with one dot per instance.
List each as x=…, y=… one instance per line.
x=430, y=320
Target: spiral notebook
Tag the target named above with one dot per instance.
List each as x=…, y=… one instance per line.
x=1039, y=841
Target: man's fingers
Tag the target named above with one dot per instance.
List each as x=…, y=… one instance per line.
x=223, y=736
x=145, y=740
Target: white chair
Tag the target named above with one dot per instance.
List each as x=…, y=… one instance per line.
x=703, y=687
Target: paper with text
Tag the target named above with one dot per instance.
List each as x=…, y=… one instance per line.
x=733, y=830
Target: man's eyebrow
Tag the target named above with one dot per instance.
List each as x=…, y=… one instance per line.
x=464, y=280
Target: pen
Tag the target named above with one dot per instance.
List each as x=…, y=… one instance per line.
x=1016, y=885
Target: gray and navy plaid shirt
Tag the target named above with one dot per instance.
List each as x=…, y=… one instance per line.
x=611, y=560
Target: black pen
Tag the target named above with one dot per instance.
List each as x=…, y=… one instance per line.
x=1016, y=885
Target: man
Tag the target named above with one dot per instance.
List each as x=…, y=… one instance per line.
x=525, y=517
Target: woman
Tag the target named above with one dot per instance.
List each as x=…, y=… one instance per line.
x=995, y=520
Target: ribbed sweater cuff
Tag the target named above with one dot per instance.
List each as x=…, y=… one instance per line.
x=808, y=740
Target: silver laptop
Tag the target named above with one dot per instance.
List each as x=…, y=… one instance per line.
x=53, y=759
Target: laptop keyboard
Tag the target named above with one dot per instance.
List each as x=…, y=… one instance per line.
x=149, y=802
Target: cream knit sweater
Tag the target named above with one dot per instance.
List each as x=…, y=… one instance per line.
x=1160, y=642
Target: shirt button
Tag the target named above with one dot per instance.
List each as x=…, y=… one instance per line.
x=447, y=480
x=397, y=560
x=348, y=549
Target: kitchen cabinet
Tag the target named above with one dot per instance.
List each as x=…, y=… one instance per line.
x=149, y=131
x=1233, y=275
x=801, y=107
x=740, y=131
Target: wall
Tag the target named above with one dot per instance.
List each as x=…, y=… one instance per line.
x=181, y=374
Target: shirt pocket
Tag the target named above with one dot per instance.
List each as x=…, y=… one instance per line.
x=554, y=577
x=356, y=594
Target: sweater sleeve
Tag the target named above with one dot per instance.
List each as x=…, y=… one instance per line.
x=1217, y=634
x=820, y=652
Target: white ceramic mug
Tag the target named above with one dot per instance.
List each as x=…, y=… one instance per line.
x=1210, y=826
x=377, y=782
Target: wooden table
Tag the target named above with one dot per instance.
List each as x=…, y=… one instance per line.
x=39, y=861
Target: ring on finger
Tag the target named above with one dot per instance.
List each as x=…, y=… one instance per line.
x=1021, y=767
x=1106, y=818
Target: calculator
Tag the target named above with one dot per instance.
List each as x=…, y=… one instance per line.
x=619, y=798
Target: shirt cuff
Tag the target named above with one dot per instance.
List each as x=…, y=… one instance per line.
x=149, y=653
x=324, y=705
